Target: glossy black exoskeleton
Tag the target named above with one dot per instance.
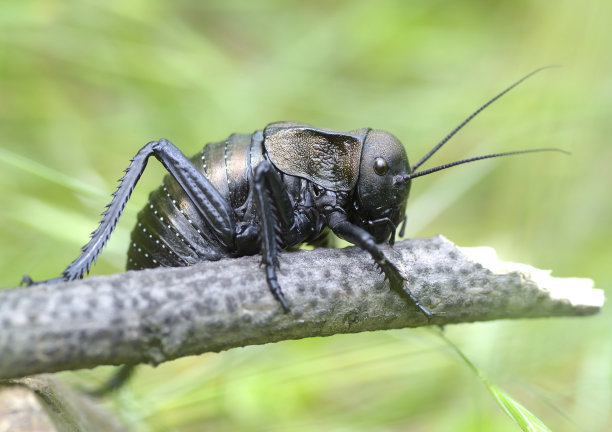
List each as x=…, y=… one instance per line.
x=276, y=188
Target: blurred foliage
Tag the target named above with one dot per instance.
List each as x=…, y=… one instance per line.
x=84, y=84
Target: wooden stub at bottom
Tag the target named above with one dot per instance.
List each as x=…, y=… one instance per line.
x=42, y=404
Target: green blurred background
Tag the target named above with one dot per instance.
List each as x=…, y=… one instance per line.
x=84, y=84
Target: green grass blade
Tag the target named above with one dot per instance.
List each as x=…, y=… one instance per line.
x=35, y=168
x=521, y=415
x=517, y=412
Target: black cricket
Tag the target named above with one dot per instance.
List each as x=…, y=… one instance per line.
x=274, y=189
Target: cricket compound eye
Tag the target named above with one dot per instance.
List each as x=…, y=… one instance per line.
x=380, y=166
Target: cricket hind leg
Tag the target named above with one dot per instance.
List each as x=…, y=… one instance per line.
x=114, y=383
x=212, y=206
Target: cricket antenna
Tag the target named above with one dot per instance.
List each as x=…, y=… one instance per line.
x=410, y=176
x=467, y=120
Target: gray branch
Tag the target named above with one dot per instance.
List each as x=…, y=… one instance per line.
x=157, y=315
